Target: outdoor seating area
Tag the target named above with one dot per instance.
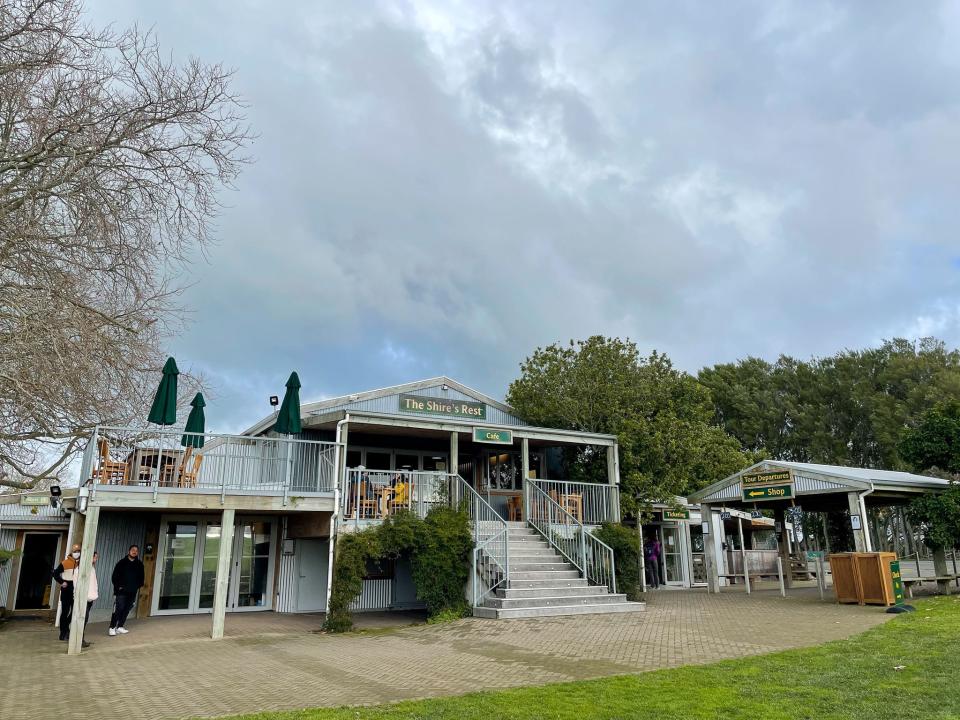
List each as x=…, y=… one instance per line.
x=377, y=494
x=174, y=467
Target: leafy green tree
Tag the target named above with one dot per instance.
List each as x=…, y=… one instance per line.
x=937, y=517
x=663, y=418
x=847, y=409
x=934, y=442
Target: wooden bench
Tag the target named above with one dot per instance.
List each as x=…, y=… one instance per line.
x=909, y=582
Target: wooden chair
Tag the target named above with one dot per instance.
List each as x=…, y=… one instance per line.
x=365, y=507
x=402, y=496
x=188, y=472
x=573, y=504
x=514, y=509
x=109, y=470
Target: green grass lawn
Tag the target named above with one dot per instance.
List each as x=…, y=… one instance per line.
x=855, y=678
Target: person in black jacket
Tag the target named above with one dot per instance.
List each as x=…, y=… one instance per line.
x=66, y=575
x=127, y=580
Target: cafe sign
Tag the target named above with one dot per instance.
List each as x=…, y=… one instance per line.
x=443, y=406
x=489, y=435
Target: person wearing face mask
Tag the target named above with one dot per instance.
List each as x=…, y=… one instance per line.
x=66, y=574
x=92, y=594
x=127, y=580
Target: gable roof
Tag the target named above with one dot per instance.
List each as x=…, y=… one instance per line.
x=358, y=400
x=816, y=478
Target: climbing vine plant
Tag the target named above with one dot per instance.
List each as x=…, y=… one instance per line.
x=438, y=547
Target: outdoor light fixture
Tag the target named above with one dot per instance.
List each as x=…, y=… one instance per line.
x=274, y=401
x=444, y=387
x=55, y=494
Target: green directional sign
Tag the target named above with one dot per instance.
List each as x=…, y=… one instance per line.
x=899, y=596
x=770, y=477
x=489, y=435
x=775, y=492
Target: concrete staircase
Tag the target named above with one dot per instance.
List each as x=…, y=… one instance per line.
x=544, y=584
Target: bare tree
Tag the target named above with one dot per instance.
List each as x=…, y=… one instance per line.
x=111, y=157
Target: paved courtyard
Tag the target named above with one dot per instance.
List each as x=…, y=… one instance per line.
x=167, y=668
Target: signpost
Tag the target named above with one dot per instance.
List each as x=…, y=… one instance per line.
x=489, y=435
x=769, y=485
x=899, y=596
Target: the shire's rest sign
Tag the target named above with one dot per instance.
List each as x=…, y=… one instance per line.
x=443, y=406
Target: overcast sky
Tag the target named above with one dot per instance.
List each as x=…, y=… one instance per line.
x=439, y=188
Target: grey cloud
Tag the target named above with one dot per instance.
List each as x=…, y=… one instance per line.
x=440, y=192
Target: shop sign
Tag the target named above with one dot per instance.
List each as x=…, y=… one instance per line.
x=899, y=596
x=676, y=514
x=776, y=492
x=442, y=406
x=766, y=479
x=489, y=435
x=34, y=499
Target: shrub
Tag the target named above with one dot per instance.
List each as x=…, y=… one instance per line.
x=626, y=556
x=439, y=549
x=441, y=561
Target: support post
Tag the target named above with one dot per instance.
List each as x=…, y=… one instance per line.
x=859, y=536
x=613, y=478
x=821, y=578
x=940, y=570
x=82, y=584
x=783, y=589
x=454, y=453
x=642, y=558
x=783, y=540
x=710, y=549
x=743, y=556
x=223, y=573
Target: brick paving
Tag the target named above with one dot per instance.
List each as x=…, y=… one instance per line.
x=169, y=668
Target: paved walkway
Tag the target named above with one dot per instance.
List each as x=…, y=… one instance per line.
x=166, y=668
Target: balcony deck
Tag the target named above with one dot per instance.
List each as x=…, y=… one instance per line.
x=148, y=468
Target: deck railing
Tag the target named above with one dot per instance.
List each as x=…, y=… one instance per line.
x=591, y=556
x=169, y=460
x=375, y=494
x=491, y=544
x=590, y=503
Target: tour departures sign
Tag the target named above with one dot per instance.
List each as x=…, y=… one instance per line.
x=767, y=485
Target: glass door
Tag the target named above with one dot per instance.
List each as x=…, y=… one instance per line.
x=176, y=567
x=253, y=566
x=187, y=566
x=672, y=555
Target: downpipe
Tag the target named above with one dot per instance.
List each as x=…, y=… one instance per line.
x=865, y=523
x=335, y=518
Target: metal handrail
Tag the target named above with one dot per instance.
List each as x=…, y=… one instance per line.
x=491, y=552
x=590, y=555
x=597, y=502
x=167, y=460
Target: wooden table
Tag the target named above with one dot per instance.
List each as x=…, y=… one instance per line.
x=143, y=461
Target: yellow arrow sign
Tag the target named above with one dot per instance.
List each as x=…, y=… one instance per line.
x=755, y=493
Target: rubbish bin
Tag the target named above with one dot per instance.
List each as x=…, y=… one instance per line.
x=863, y=578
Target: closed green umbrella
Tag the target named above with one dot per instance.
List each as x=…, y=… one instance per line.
x=288, y=420
x=195, y=423
x=164, y=408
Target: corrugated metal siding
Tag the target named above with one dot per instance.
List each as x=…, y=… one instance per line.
x=728, y=493
x=15, y=512
x=809, y=484
x=287, y=584
x=8, y=541
x=116, y=532
x=376, y=595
